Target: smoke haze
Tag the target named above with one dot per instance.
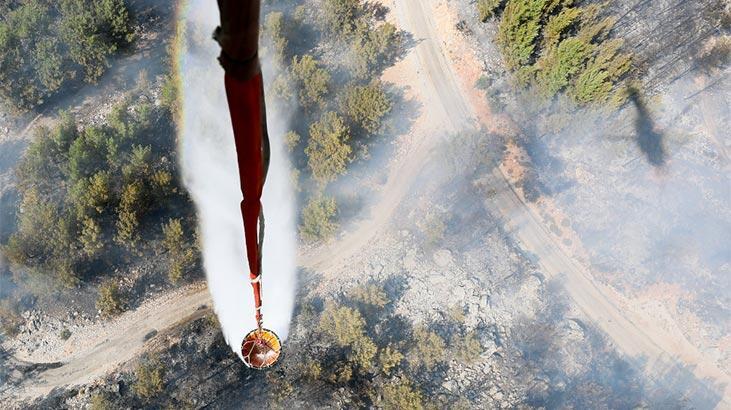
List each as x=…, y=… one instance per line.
x=210, y=174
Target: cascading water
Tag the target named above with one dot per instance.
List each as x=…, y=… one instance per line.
x=208, y=162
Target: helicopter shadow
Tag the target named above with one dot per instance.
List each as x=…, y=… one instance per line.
x=649, y=139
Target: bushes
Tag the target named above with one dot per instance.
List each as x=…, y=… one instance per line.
x=559, y=48
x=428, y=349
x=401, y=396
x=328, y=151
x=87, y=195
x=45, y=45
x=338, y=16
x=366, y=106
x=110, y=300
x=150, y=376
x=487, y=8
x=318, y=219
x=341, y=325
x=312, y=80
x=180, y=255
x=65, y=334
x=388, y=359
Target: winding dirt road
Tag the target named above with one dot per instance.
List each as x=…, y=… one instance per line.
x=444, y=108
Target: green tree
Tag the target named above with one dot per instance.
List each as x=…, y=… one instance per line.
x=291, y=140
x=313, y=81
x=93, y=31
x=428, y=349
x=109, y=301
x=560, y=65
x=362, y=353
x=342, y=325
x=328, y=151
x=318, y=219
x=90, y=237
x=486, y=8
x=367, y=106
x=10, y=319
x=401, y=396
x=180, y=256
x=274, y=32
x=128, y=215
x=138, y=163
x=98, y=192
x=388, y=359
x=372, y=48
x=100, y=401
x=519, y=28
x=338, y=16
x=86, y=153
x=150, y=379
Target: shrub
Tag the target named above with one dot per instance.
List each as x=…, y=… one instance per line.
x=328, y=151
x=362, y=353
x=388, y=359
x=401, y=396
x=150, y=375
x=487, y=8
x=427, y=350
x=312, y=80
x=342, y=325
x=291, y=140
x=367, y=106
x=65, y=334
x=434, y=227
x=317, y=219
x=110, y=300
x=101, y=401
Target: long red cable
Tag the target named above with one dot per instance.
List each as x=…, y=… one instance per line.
x=246, y=105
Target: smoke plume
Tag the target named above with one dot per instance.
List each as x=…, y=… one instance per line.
x=210, y=173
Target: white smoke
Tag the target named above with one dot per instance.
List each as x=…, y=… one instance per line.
x=208, y=160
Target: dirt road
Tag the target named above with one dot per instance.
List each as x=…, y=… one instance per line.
x=444, y=108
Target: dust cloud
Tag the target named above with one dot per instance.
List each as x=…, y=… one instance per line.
x=209, y=168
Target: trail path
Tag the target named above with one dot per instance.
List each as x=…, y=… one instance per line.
x=445, y=107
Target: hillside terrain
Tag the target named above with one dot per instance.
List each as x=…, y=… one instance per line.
x=482, y=226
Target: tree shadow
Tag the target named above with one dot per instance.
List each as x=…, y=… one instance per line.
x=649, y=139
